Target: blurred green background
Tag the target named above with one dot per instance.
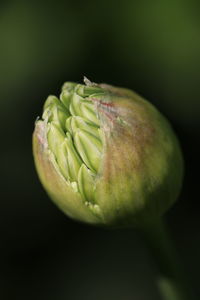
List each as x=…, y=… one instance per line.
x=152, y=47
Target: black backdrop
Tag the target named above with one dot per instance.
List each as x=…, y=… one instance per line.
x=152, y=47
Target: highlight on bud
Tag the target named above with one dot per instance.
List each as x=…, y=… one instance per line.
x=107, y=156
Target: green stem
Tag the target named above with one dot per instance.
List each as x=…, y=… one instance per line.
x=171, y=281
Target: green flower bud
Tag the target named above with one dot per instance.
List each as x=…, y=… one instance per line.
x=106, y=156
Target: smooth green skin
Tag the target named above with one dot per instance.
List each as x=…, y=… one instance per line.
x=141, y=170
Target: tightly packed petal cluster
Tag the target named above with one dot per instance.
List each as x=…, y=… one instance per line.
x=106, y=156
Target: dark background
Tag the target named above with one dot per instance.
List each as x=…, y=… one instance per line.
x=152, y=47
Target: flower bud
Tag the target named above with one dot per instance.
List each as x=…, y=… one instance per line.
x=107, y=156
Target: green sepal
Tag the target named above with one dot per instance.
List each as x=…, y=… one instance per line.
x=75, y=105
x=67, y=92
x=74, y=161
x=86, y=183
x=55, y=137
x=89, y=148
x=55, y=111
x=62, y=159
x=50, y=100
x=69, y=86
x=65, y=98
x=86, y=91
x=75, y=123
x=88, y=112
